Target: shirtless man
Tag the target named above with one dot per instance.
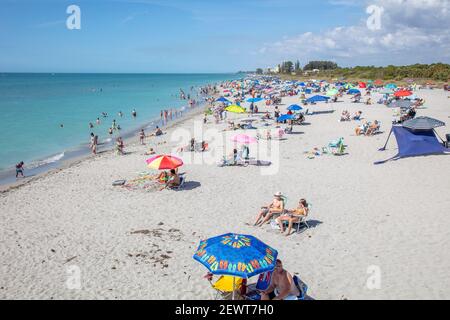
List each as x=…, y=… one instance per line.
x=282, y=285
x=266, y=213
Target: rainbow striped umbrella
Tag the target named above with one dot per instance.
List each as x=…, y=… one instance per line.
x=162, y=162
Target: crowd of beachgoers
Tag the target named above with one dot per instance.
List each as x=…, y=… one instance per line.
x=189, y=201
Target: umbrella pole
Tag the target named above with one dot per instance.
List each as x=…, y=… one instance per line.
x=234, y=288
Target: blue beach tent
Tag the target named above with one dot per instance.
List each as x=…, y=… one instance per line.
x=354, y=91
x=412, y=143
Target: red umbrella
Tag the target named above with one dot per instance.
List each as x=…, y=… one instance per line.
x=403, y=93
x=362, y=85
x=378, y=82
x=163, y=162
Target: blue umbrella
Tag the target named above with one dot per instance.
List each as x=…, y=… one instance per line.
x=254, y=100
x=295, y=107
x=236, y=255
x=222, y=99
x=317, y=99
x=285, y=117
x=354, y=91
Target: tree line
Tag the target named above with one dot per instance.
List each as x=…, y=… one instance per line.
x=435, y=71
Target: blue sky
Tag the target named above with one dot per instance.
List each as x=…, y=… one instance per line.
x=211, y=36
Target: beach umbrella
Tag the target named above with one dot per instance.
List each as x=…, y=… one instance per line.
x=162, y=162
x=223, y=99
x=332, y=92
x=386, y=91
x=362, y=85
x=354, y=91
x=243, y=138
x=378, y=82
x=423, y=123
x=317, y=99
x=236, y=255
x=294, y=107
x=254, y=100
x=403, y=93
x=285, y=117
x=235, y=109
x=391, y=86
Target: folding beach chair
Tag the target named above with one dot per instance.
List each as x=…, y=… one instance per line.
x=302, y=222
x=225, y=286
x=301, y=286
x=263, y=283
x=181, y=185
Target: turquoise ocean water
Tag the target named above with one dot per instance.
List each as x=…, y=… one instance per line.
x=33, y=107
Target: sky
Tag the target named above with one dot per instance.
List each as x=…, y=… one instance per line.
x=171, y=36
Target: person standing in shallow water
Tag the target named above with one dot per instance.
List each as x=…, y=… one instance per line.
x=19, y=169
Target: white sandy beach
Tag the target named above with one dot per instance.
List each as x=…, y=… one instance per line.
x=394, y=216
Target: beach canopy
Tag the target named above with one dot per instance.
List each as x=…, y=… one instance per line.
x=294, y=107
x=235, y=109
x=423, y=123
x=237, y=255
x=402, y=104
x=163, y=162
x=317, y=99
x=403, y=93
x=285, y=117
x=243, y=138
x=415, y=143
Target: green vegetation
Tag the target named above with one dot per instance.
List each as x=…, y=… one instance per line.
x=330, y=70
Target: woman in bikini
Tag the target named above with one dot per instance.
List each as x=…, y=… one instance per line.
x=293, y=216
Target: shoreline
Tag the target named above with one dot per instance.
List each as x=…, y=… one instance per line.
x=130, y=139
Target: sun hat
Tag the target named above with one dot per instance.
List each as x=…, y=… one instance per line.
x=278, y=194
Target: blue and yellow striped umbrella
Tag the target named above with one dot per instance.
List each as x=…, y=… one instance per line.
x=236, y=255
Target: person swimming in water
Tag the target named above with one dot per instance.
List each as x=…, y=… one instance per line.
x=133, y=113
x=91, y=125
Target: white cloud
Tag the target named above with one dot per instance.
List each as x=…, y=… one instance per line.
x=411, y=31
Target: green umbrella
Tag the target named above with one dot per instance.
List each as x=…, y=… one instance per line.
x=332, y=92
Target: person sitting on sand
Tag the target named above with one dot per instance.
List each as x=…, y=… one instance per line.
x=162, y=177
x=282, y=285
x=345, y=116
x=293, y=216
x=369, y=102
x=158, y=132
x=150, y=152
x=266, y=213
x=362, y=128
x=357, y=116
x=173, y=180
x=373, y=128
